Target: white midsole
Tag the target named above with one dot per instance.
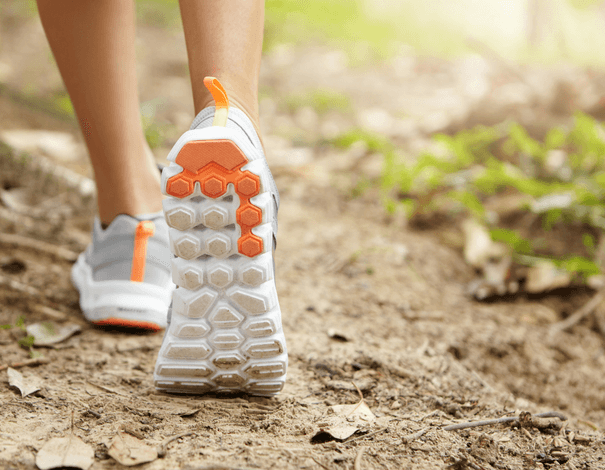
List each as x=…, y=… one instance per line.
x=126, y=300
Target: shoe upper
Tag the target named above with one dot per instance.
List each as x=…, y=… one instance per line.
x=112, y=252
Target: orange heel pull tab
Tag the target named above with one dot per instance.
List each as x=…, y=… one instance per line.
x=221, y=101
x=143, y=231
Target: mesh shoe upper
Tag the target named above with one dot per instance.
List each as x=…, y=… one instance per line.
x=110, y=255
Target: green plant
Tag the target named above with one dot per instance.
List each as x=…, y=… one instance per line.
x=479, y=166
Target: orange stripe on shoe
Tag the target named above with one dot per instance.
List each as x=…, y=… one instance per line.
x=221, y=102
x=143, y=231
x=143, y=325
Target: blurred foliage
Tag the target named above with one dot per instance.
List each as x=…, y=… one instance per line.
x=582, y=4
x=161, y=13
x=343, y=23
x=321, y=100
x=346, y=24
x=559, y=181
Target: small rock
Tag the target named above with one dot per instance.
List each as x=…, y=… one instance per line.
x=545, y=276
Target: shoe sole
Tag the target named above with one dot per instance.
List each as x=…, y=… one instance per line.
x=225, y=331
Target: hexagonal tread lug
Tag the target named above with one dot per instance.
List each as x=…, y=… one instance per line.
x=260, y=328
x=254, y=275
x=229, y=380
x=181, y=218
x=227, y=340
x=265, y=388
x=254, y=304
x=221, y=276
x=191, y=351
x=219, y=245
x=261, y=350
x=192, y=330
x=225, y=317
x=228, y=361
x=249, y=185
x=187, y=247
x=214, y=186
x=266, y=371
x=177, y=370
x=215, y=217
x=250, y=245
x=250, y=216
x=197, y=306
x=178, y=186
x=193, y=278
x=183, y=387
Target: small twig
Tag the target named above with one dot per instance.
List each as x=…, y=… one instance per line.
x=507, y=419
x=28, y=362
x=361, y=400
x=358, y=457
x=412, y=437
x=162, y=450
x=109, y=390
x=92, y=413
x=38, y=245
x=366, y=435
x=318, y=462
x=579, y=314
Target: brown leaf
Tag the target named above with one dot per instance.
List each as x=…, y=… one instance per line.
x=345, y=420
x=25, y=386
x=48, y=333
x=128, y=450
x=62, y=452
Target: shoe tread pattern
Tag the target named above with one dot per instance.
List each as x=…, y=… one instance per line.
x=225, y=331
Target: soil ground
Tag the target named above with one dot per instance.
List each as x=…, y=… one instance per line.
x=368, y=302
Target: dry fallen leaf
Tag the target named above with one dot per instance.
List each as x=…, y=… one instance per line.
x=128, y=450
x=345, y=420
x=62, y=452
x=48, y=333
x=25, y=386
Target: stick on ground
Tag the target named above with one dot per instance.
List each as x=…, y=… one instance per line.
x=29, y=362
x=579, y=314
x=507, y=419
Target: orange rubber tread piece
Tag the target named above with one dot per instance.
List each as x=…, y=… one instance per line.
x=143, y=325
x=197, y=154
x=144, y=230
x=214, y=165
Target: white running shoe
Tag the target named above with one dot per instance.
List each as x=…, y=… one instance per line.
x=124, y=274
x=225, y=330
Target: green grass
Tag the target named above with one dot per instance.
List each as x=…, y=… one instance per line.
x=345, y=24
x=485, y=163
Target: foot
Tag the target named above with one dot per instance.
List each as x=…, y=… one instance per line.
x=225, y=329
x=124, y=274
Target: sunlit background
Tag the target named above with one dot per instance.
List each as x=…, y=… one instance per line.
x=437, y=110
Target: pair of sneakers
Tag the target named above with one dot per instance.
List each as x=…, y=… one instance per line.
x=203, y=269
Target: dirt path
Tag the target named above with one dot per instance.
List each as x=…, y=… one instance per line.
x=366, y=301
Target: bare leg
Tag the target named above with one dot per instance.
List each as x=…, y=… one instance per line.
x=93, y=44
x=224, y=40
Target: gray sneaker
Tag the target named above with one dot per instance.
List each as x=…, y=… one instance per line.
x=225, y=330
x=124, y=274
